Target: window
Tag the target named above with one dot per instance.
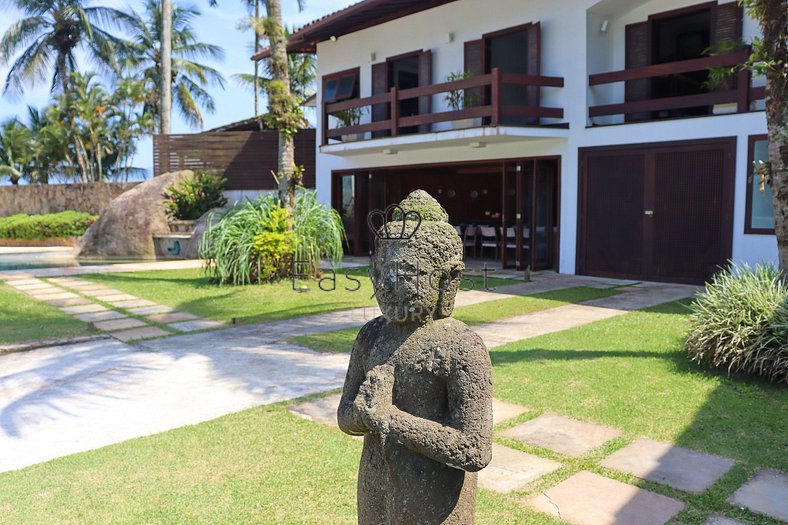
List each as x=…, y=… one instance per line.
x=760, y=212
x=340, y=86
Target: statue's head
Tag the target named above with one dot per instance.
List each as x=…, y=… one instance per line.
x=417, y=274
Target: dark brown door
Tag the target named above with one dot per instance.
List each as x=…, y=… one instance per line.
x=657, y=212
x=537, y=214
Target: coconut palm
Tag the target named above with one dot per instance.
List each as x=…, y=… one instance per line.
x=302, y=72
x=16, y=150
x=142, y=56
x=45, y=41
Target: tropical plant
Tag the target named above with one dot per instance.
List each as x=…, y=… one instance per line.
x=458, y=99
x=16, y=151
x=740, y=323
x=275, y=244
x=195, y=196
x=349, y=117
x=48, y=37
x=233, y=244
x=142, y=56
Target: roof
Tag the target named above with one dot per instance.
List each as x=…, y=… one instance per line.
x=356, y=17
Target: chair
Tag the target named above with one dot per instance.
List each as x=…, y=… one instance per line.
x=489, y=239
x=458, y=229
x=511, y=239
x=470, y=238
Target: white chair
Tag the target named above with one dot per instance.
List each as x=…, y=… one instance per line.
x=489, y=239
x=470, y=239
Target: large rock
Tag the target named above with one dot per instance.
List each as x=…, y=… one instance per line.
x=126, y=227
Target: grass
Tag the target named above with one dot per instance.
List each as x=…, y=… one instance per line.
x=342, y=340
x=258, y=466
x=266, y=466
x=24, y=319
x=190, y=291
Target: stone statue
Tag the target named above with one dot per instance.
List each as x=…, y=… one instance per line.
x=419, y=384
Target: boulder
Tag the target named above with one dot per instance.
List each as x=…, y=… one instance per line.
x=125, y=229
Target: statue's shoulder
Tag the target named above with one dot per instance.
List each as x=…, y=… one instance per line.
x=370, y=331
x=460, y=336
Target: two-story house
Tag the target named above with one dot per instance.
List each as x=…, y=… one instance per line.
x=596, y=137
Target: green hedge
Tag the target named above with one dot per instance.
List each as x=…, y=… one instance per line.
x=52, y=225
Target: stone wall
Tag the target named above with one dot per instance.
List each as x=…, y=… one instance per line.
x=54, y=198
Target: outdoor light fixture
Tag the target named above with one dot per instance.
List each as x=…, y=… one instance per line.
x=389, y=151
x=373, y=56
x=603, y=27
x=477, y=144
x=449, y=37
x=333, y=38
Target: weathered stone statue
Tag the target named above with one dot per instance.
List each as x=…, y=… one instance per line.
x=419, y=384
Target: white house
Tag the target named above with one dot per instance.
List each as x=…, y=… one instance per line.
x=590, y=127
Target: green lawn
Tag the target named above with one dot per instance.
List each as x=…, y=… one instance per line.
x=190, y=291
x=25, y=319
x=266, y=466
x=342, y=340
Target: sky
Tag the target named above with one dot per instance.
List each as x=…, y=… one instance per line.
x=218, y=26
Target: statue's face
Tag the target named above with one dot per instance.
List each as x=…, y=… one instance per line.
x=406, y=283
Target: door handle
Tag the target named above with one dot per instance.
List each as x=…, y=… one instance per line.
x=649, y=213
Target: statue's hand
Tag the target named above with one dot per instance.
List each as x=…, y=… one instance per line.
x=375, y=398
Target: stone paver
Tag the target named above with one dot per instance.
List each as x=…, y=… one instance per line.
x=321, y=410
x=590, y=499
x=118, y=297
x=100, y=316
x=562, y=434
x=118, y=324
x=721, y=520
x=172, y=317
x=16, y=283
x=512, y=470
x=503, y=411
x=766, y=493
x=39, y=285
x=83, y=309
x=146, y=332
x=74, y=301
x=664, y=463
x=193, y=326
x=61, y=400
x=133, y=303
x=55, y=295
x=100, y=293
x=148, y=310
x=88, y=287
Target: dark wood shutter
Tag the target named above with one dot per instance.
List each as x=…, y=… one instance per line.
x=534, y=63
x=726, y=21
x=380, y=84
x=638, y=54
x=425, y=79
x=474, y=63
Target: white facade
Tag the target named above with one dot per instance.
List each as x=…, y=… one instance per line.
x=572, y=46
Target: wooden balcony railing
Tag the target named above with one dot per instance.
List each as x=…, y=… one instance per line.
x=742, y=95
x=494, y=109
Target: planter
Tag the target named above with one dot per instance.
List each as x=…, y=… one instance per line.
x=352, y=137
x=182, y=226
x=466, y=123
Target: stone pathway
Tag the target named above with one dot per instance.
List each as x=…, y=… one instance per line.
x=123, y=316
x=585, y=498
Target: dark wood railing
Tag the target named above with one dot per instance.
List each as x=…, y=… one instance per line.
x=495, y=110
x=742, y=95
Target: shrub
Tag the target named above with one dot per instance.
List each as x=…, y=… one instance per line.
x=47, y=226
x=248, y=239
x=194, y=196
x=740, y=323
x=275, y=244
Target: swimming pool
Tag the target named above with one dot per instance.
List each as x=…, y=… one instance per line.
x=37, y=258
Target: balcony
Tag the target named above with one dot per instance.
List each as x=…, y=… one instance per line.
x=655, y=101
x=494, y=88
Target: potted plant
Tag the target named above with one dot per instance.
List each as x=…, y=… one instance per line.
x=350, y=117
x=192, y=198
x=459, y=99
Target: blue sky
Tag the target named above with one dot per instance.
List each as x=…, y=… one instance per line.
x=217, y=26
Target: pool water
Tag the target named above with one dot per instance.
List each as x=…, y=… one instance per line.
x=47, y=259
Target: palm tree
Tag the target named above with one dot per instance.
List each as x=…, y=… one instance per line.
x=142, y=55
x=50, y=35
x=16, y=150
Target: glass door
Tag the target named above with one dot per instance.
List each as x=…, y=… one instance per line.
x=537, y=219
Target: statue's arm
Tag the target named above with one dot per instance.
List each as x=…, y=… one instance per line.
x=466, y=442
x=348, y=415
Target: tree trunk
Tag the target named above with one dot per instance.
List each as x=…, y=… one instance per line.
x=255, y=28
x=165, y=97
x=280, y=74
x=773, y=16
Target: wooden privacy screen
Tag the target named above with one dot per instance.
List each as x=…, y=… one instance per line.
x=245, y=158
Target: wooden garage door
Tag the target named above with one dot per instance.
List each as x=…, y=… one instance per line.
x=660, y=212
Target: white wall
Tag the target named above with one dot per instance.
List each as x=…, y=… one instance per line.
x=572, y=47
